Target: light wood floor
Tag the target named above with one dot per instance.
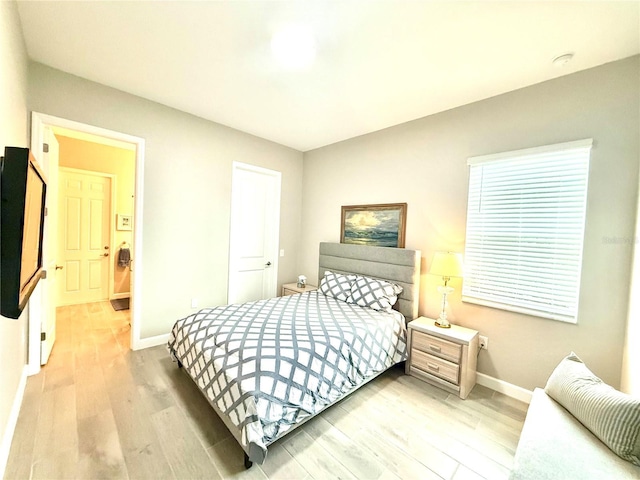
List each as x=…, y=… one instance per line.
x=99, y=410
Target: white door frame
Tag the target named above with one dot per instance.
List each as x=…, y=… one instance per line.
x=275, y=240
x=112, y=212
x=35, y=311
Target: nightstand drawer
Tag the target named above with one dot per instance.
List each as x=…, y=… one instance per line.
x=435, y=366
x=444, y=357
x=436, y=346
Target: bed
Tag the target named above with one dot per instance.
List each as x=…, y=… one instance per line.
x=266, y=367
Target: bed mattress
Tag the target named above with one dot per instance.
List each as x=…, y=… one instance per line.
x=271, y=364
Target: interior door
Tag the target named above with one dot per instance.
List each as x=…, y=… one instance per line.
x=83, y=236
x=255, y=225
x=48, y=324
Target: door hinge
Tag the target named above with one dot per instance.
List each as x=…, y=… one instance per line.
x=46, y=211
x=45, y=147
x=43, y=336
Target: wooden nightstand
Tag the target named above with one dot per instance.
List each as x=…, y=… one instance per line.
x=291, y=288
x=445, y=357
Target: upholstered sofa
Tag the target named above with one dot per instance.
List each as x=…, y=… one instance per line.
x=555, y=444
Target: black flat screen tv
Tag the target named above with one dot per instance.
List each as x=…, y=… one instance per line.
x=22, y=212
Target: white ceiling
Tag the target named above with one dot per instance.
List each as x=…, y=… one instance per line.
x=378, y=64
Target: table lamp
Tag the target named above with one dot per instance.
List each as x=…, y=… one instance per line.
x=445, y=265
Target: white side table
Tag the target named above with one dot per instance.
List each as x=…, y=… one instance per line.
x=445, y=357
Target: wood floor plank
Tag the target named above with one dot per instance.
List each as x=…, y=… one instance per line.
x=152, y=387
x=505, y=435
x=357, y=459
x=57, y=425
x=61, y=465
x=314, y=458
x=141, y=448
x=412, y=440
x=186, y=455
x=395, y=460
x=463, y=473
x=91, y=392
x=100, y=453
x=388, y=475
x=21, y=453
x=204, y=421
x=58, y=376
x=229, y=460
x=85, y=354
x=282, y=465
x=343, y=420
x=506, y=417
x=407, y=433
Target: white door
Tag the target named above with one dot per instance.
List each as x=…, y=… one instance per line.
x=255, y=226
x=50, y=166
x=84, y=210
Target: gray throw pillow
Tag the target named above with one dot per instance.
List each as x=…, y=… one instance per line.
x=337, y=285
x=374, y=293
x=612, y=416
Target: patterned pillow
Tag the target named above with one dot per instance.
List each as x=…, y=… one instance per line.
x=373, y=293
x=612, y=416
x=337, y=285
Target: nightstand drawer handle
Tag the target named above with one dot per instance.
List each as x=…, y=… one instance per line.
x=435, y=348
x=433, y=366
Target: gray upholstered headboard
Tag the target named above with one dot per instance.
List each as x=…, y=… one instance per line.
x=398, y=265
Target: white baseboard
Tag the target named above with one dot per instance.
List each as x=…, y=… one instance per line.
x=509, y=389
x=150, y=342
x=119, y=296
x=7, y=435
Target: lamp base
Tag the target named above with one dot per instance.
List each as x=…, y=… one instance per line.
x=441, y=324
x=442, y=321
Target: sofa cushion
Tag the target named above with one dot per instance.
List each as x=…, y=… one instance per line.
x=554, y=446
x=612, y=416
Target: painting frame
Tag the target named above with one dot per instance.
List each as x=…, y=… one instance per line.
x=358, y=224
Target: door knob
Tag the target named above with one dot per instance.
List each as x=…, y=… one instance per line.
x=105, y=255
x=59, y=267
x=268, y=264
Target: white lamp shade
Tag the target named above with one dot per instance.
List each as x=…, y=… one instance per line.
x=446, y=264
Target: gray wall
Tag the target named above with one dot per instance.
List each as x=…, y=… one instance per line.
x=13, y=132
x=423, y=163
x=187, y=190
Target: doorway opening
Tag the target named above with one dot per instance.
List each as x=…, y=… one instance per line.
x=105, y=216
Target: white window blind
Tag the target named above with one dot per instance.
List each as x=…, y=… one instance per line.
x=525, y=229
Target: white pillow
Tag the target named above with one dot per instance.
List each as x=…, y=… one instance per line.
x=374, y=293
x=612, y=416
x=337, y=285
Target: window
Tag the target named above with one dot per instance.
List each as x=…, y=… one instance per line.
x=525, y=229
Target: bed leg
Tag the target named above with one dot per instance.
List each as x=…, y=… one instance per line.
x=247, y=462
x=179, y=363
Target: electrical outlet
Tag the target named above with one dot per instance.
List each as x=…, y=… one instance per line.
x=484, y=342
x=194, y=303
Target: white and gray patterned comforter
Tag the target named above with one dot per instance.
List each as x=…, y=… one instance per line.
x=272, y=363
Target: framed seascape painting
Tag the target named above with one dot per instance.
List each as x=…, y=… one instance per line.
x=377, y=225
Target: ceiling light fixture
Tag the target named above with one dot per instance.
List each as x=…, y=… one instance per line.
x=561, y=60
x=294, y=47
